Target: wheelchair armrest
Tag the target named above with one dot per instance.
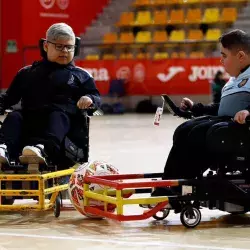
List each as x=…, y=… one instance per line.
x=175, y=110
x=7, y=111
x=248, y=121
x=91, y=111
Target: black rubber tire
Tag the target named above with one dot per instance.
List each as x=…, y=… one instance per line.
x=165, y=212
x=57, y=207
x=186, y=213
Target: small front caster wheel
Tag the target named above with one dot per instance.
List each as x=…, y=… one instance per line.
x=57, y=207
x=190, y=216
x=162, y=214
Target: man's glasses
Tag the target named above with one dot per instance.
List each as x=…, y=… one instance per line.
x=60, y=47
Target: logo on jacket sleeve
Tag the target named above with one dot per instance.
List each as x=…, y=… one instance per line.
x=71, y=80
x=242, y=83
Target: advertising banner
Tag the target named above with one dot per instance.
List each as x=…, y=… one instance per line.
x=146, y=77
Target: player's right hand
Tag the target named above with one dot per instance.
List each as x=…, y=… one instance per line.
x=186, y=104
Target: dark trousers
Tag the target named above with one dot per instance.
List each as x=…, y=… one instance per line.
x=188, y=156
x=22, y=128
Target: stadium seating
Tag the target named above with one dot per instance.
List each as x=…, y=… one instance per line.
x=160, y=36
x=143, y=18
x=160, y=55
x=92, y=57
x=177, y=35
x=160, y=17
x=127, y=37
x=143, y=37
x=171, y=24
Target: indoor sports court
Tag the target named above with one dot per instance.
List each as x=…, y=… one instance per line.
x=91, y=94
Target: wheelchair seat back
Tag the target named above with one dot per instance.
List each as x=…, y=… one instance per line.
x=229, y=145
x=76, y=143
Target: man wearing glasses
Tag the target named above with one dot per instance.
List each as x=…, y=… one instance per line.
x=51, y=92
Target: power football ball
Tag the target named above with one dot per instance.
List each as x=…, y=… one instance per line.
x=76, y=192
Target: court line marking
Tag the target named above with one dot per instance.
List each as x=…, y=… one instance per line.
x=119, y=242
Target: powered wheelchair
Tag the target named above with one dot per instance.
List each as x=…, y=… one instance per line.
x=38, y=181
x=34, y=180
x=226, y=186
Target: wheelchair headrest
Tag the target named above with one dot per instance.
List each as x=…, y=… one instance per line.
x=44, y=54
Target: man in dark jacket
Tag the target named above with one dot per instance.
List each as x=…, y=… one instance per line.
x=51, y=92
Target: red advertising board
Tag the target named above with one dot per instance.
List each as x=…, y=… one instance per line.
x=24, y=22
x=146, y=77
x=38, y=15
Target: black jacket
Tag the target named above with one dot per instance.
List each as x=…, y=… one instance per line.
x=200, y=109
x=48, y=85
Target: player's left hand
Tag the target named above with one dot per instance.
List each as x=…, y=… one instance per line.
x=240, y=116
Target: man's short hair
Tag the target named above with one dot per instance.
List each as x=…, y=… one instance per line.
x=60, y=31
x=236, y=40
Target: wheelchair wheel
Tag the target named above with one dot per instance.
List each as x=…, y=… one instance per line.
x=162, y=214
x=190, y=216
x=57, y=206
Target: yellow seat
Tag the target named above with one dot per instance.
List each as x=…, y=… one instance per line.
x=193, y=16
x=143, y=18
x=127, y=37
x=160, y=36
x=183, y=54
x=177, y=35
x=213, y=34
x=110, y=38
x=160, y=17
x=139, y=3
x=191, y=1
x=195, y=35
x=197, y=54
x=220, y=1
x=143, y=37
x=211, y=15
x=176, y=16
x=229, y=15
x=126, y=56
x=160, y=55
x=142, y=55
x=108, y=57
x=158, y=2
x=126, y=18
x=174, y=1
x=175, y=55
x=92, y=57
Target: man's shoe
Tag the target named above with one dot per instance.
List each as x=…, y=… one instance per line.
x=34, y=151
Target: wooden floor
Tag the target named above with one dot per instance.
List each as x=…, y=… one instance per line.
x=133, y=145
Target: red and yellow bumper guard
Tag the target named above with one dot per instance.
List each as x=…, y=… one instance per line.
x=118, y=190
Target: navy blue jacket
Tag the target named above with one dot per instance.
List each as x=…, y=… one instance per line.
x=47, y=85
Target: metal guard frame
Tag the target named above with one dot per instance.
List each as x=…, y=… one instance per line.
x=117, y=192
x=40, y=192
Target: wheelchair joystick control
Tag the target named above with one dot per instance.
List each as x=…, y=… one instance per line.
x=247, y=120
